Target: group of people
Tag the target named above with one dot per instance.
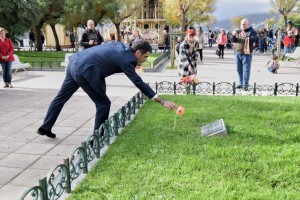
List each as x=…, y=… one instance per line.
x=243, y=40
x=191, y=48
x=88, y=69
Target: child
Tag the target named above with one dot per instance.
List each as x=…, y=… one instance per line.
x=273, y=64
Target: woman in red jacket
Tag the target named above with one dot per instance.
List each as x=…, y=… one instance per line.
x=222, y=40
x=288, y=42
x=6, y=57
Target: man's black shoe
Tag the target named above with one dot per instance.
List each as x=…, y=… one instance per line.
x=49, y=134
x=246, y=89
x=239, y=87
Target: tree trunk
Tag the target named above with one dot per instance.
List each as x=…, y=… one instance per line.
x=118, y=36
x=183, y=26
x=285, y=21
x=57, y=45
x=38, y=40
x=37, y=33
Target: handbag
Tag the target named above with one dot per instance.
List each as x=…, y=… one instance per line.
x=217, y=52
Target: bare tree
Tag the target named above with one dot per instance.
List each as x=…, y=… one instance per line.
x=235, y=21
x=284, y=7
x=210, y=20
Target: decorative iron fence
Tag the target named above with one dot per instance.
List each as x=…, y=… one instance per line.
x=40, y=65
x=225, y=88
x=61, y=177
x=48, y=49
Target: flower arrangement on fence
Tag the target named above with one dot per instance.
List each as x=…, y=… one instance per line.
x=187, y=81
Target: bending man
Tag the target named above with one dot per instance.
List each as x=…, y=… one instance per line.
x=89, y=68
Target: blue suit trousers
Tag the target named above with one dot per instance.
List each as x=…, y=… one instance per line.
x=92, y=83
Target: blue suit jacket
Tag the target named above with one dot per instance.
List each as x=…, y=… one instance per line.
x=105, y=60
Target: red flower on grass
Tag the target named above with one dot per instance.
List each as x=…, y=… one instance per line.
x=180, y=110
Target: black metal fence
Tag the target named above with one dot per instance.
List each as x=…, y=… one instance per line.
x=61, y=177
x=225, y=88
x=41, y=65
x=48, y=49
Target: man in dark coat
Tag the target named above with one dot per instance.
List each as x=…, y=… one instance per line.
x=91, y=36
x=243, y=41
x=89, y=68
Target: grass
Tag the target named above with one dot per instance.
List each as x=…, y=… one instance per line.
x=29, y=56
x=171, y=67
x=33, y=56
x=150, y=59
x=259, y=159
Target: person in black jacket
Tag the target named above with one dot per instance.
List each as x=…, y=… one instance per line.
x=243, y=41
x=31, y=39
x=166, y=41
x=89, y=68
x=91, y=36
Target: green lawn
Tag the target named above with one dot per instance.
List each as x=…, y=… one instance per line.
x=36, y=57
x=28, y=56
x=259, y=159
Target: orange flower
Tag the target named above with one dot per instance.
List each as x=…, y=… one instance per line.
x=180, y=110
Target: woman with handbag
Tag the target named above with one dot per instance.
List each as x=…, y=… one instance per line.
x=222, y=40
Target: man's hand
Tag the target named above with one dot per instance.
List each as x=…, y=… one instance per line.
x=191, y=70
x=169, y=104
x=91, y=42
x=243, y=34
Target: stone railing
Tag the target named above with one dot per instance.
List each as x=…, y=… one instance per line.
x=61, y=177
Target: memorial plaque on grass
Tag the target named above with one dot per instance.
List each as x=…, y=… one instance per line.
x=215, y=128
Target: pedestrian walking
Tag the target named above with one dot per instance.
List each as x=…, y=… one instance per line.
x=221, y=41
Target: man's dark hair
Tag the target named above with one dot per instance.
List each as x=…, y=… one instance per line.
x=141, y=45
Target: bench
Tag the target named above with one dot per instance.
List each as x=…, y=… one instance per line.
x=295, y=55
x=16, y=65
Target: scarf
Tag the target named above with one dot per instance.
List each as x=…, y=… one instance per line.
x=191, y=46
x=246, y=46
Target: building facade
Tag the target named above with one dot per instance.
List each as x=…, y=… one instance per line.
x=149, y=21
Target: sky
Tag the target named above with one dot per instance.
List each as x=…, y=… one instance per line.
x=226, y=9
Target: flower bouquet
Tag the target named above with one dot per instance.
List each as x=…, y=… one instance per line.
x=187, y=81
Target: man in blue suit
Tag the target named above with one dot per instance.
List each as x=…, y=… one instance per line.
x=89, y=68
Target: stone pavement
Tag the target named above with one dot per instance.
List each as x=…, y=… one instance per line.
x=25, y=156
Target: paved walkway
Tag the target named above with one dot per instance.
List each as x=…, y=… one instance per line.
x=25, y=156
